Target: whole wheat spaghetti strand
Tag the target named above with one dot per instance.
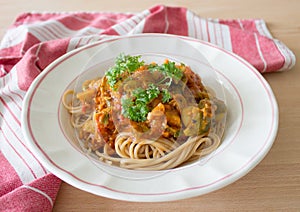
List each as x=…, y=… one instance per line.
x=171, y=160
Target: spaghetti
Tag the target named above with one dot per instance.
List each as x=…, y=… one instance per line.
x=147, y=116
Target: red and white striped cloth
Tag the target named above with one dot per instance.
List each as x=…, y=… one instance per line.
x=36, y=39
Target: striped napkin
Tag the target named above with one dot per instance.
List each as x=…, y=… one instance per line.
x=36, y=39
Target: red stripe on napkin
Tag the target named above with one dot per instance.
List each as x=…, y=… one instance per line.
x=9, y=177
x=166, y=20
x=270, y=52
x=37, y=58
x=249, y=52
x=37, y=39
x=39, y=195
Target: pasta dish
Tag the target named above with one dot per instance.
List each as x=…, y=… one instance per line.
x=147, y=116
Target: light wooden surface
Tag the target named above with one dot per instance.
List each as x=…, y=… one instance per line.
x=274, y=185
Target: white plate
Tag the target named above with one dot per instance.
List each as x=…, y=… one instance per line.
x=251, y=125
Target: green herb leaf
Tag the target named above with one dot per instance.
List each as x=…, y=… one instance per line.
x=124, y=66
x=169, y=69
x=166, y=95
x=134, y=111
x=136, y=107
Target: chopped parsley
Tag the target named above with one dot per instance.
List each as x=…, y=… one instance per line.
x=134, y=111
x=169, y=69
x=166, y=95
x=124, y=66
x=136, y=107
x=146, y=96
x=135, y=104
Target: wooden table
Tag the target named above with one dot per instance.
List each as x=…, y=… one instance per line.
x=275, y=183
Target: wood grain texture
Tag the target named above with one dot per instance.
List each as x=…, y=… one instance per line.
x=273, y=185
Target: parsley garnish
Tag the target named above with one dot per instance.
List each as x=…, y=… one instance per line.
x=166, y=95
x=146, y=96
x=135, y=104
x=136, y=107
x=134, y=111
x=124, y=66
x=169, y=69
